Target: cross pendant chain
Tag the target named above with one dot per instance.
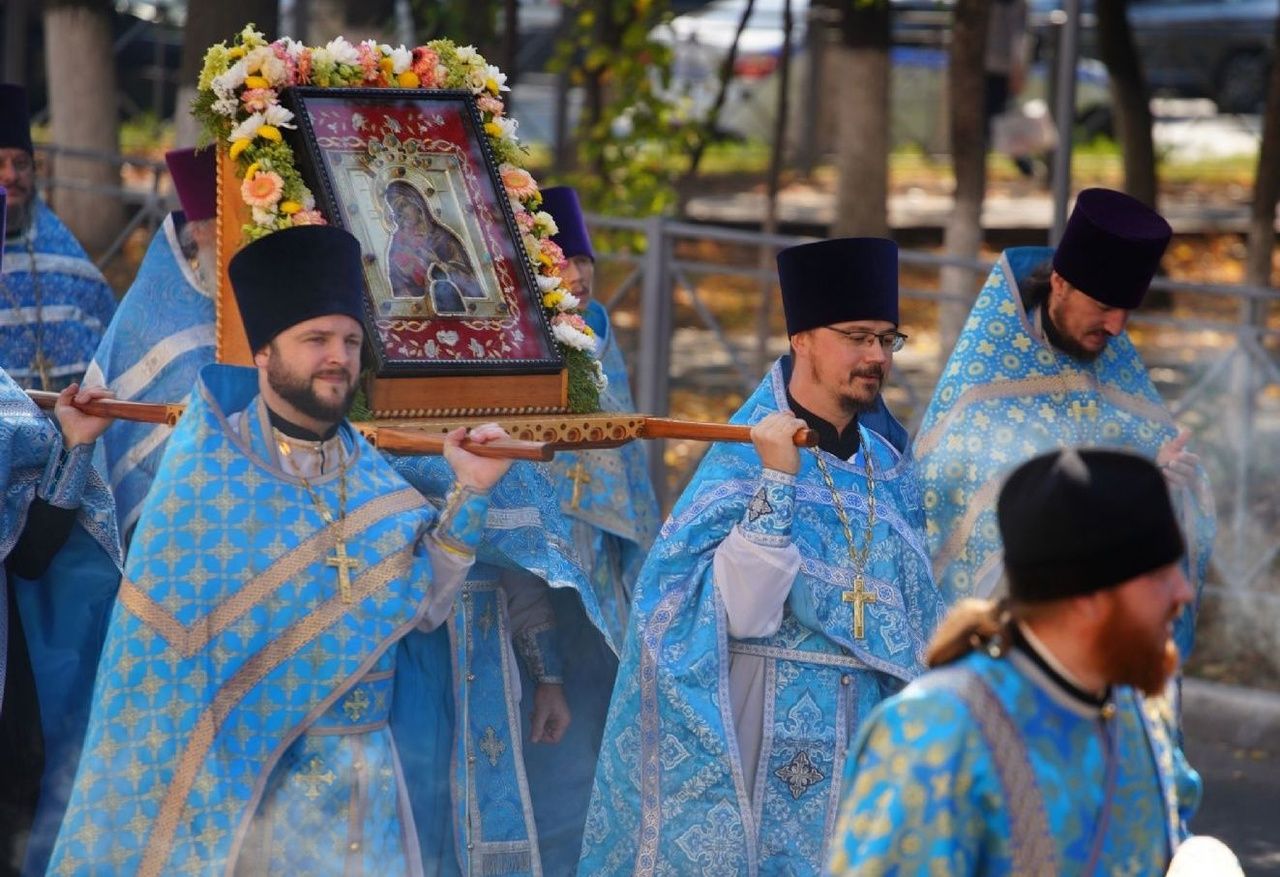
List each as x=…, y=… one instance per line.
x=344, y=564
x=859, y=596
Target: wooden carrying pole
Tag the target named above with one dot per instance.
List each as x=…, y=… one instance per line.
x=666, y=428
x=400, y=441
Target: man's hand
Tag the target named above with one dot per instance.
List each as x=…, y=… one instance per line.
x=478, y=473
x=774, y=438
x=550, y=717
x=1178, y=465
x=79, y=428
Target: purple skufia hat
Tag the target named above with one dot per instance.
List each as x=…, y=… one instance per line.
x=1111, y=247
x=565, y=208
x=15, y=119
x=195, y=178
x=838, y=280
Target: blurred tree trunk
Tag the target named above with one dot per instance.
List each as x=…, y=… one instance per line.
x=966, y=86
x=862, y=127
x=1266, y=186
x=1130, y=99
x=80, y=65
x=209, y=23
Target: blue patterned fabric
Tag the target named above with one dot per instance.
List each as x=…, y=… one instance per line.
x=1005, y=396
x=51, y=290
x=473, y=802
x=64, y=613
x=159, y=339
x=986, y=767
x=231, y=640
x=669, y=794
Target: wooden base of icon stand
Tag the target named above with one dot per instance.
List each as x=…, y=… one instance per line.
x=418, y=398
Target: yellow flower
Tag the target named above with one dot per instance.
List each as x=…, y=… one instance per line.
x=492, y=129
x=270, y=132
x=491, y=85
x=290, y=207
x=387, y=65
x=236, y=52
x=551, y=299
x=256, y=82
x=251, y=170
x=408, y=79
x=238, y=147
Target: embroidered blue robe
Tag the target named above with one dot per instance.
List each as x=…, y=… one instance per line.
x=242, y=698
x=608, y=498
x=474, y=805
x=1005, y=396
x=987, y=767
x=52, y=291
x=64, y=613
x=160, y=337
x=669, y=794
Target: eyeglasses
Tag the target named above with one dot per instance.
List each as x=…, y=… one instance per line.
x=890, y=342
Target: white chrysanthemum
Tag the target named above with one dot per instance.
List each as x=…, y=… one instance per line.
x=254, y=59
x=467, y=55
x=545, y=224
x=248, y=129
x=342, y=51
x=308, y=201
x=293, y=48
x=601, y=379
x=507, y=127
x=226, y=83
x=401, y=58
x=321, y=58
x=532, y=247
x=263, y=217
x=278, y=116
x=497, y=76
x=571, y=337
x=476, y=79
x=371, y=44
x=568, y=302
x=547, y=284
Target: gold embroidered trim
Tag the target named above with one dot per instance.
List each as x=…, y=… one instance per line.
x=187, y=640
x=253, y=671
x=977, y=504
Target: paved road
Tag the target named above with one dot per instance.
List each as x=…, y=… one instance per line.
x=1233, y=739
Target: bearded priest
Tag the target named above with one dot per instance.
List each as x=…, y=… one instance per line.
x=239, y=722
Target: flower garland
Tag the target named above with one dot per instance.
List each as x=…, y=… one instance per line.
x=237, y=104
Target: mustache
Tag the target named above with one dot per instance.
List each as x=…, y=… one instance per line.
x=872, y=371
x=332, y=373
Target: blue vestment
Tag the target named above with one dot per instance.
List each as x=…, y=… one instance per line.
x=988, y=767
x=159, y=339
x=670, y=795
x=64, y=613
x=51, y=293
x=608, y=498
x=240, y=716
x=1007, y=395
x=474, y=803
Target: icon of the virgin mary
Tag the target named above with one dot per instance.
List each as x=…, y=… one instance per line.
x=427, y=259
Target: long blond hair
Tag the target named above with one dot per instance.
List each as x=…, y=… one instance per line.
x=970, y=625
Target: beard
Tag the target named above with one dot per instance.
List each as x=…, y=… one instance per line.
x=1068, y=345
x=1135, y=656
x=299, y=391
x=850, y=403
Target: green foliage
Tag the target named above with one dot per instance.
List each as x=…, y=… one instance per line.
x=628, y=129
x=584, y=396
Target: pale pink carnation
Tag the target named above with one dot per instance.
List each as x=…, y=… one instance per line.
x=524, y=219
x=369, y=63
x=256, y=100
x=303, y=74
x=490, y=104
x=263, y=190
x=308, y=217
x=552, y=251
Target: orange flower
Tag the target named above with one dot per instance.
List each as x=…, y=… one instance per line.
x=263, y=190
x=518, y=182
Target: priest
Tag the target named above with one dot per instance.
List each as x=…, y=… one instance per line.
x=54, y=302
x=1044, y=362
x=163, y=332
x=1038, y=744
x=788, y=594
x=240, y=718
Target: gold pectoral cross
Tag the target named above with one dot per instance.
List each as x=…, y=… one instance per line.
x=344, y=565
x=1078, y=411
x=579, y=476
x=859, y=597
